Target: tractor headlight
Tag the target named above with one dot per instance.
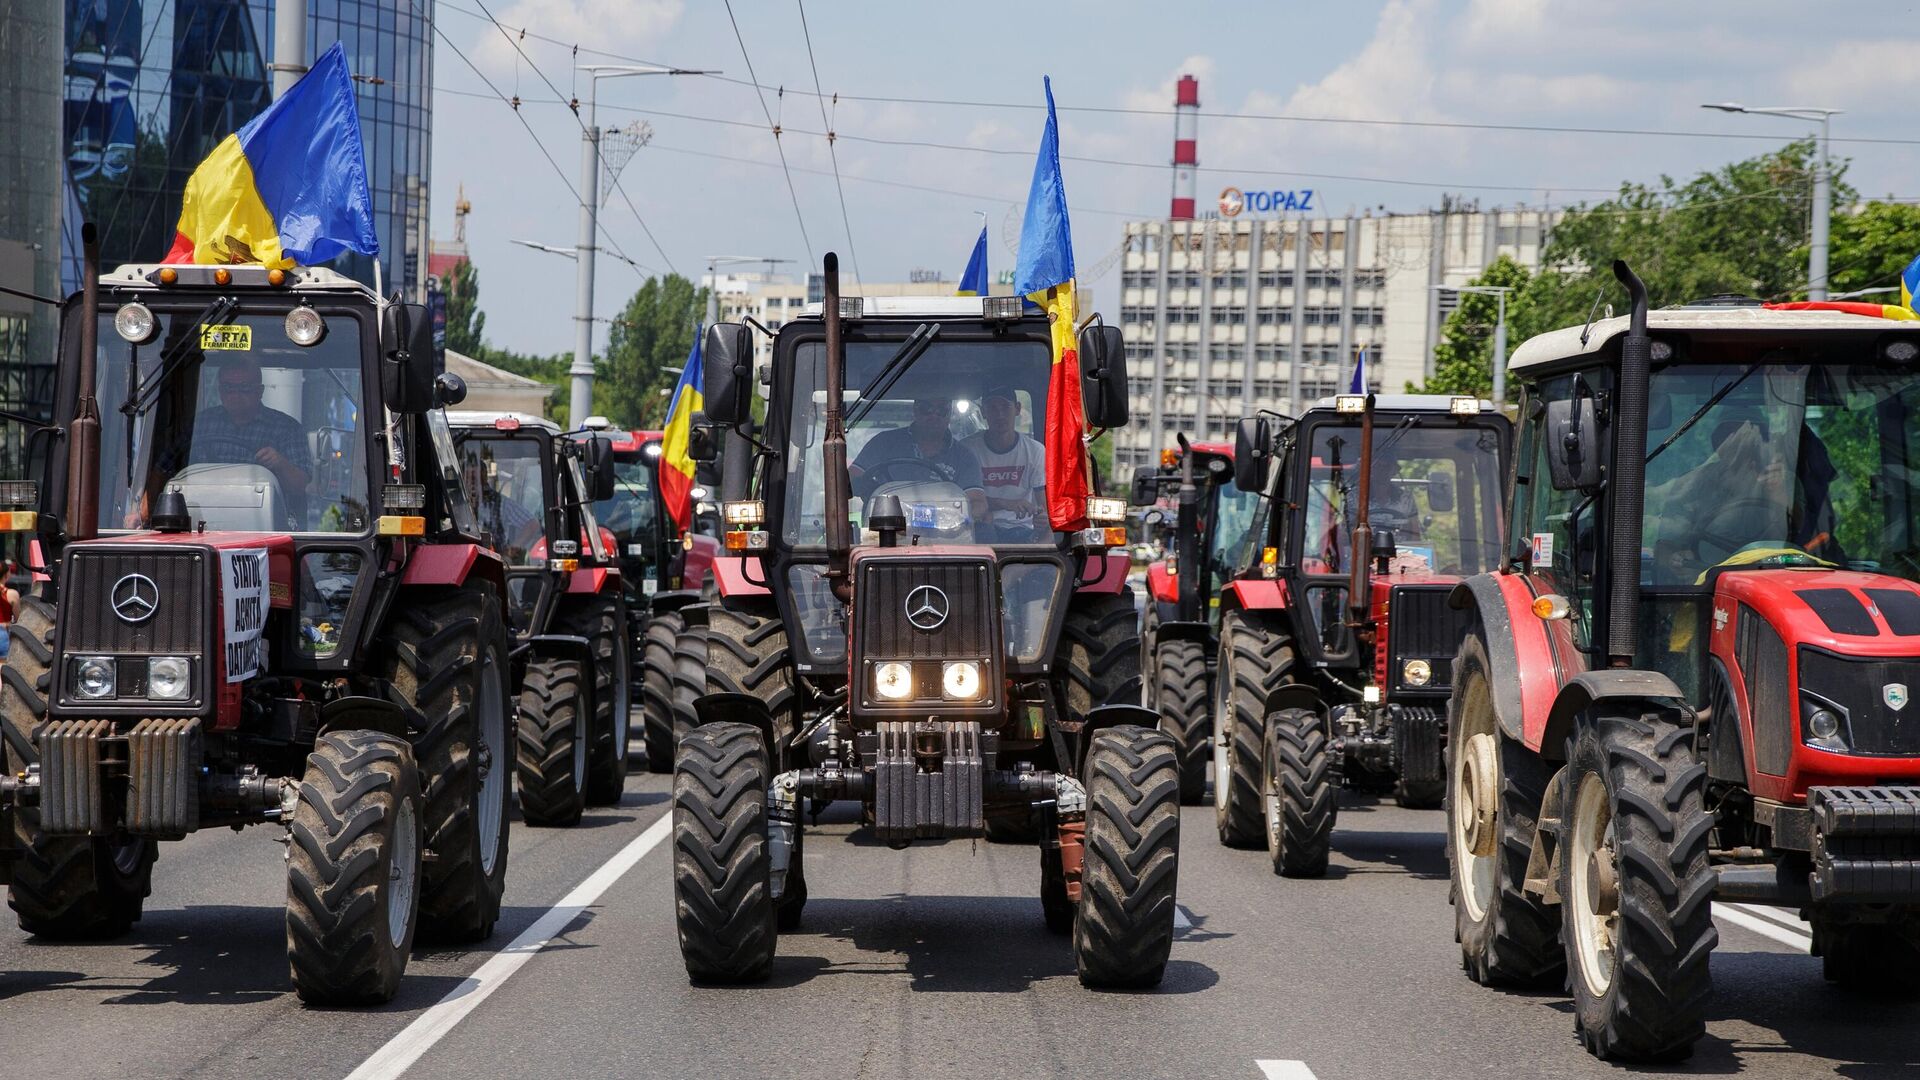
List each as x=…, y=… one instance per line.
x=93, y=676
x=1106, y=511
x=305, y=326
x=961, y=679
x=169, y=678
x=1823, y=725
x=1416, y=673
x=134, y=323
x=893, y=680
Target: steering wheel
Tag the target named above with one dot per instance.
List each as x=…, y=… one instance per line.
x=1730, y=545
x=879, y=469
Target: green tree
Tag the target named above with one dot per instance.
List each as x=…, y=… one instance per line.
x=653, y=333
x=1463, y=361
x=466, y=323
x=1870, y=246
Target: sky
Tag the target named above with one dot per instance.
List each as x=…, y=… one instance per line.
x=709, y=182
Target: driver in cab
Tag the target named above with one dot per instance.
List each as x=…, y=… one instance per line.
x=923, y=450
x=241, y=430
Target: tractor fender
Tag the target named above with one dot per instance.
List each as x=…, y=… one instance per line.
x=735, y=709
x=357, y=712
x=1106, y=716
x=735, y=577
x=561, y=647
x=1103, y=574
x=1522, y=680
x=592, y=580
x=455, y=565
x=663, y=602
x=1162, y=584
x=1255, y=594
x=1614, y=685
x=1175, y=630
x=1295, y=696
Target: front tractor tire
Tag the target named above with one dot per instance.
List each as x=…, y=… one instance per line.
x=1123, y=931
x=69, y=888
x=723, y=897
x=1635, y=885
x=353, y=869
x=749, y=654
x=656, y=689
x=550, y=744
x=1301, y=796
x=1256, y=658
x=1180, y=696
x=445, y=659
x=1495, y=788
x=602, y=620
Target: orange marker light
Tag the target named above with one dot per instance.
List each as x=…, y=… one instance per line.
x=276, y=276
x=168, y=275
x=222, y=276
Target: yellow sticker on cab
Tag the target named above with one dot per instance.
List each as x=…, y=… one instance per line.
x=223, y=337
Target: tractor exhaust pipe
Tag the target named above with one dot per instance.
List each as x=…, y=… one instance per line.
x=1186, y=543
x=1359, y=573
x=1627, y=479
x=83, y=443
x=833, y=445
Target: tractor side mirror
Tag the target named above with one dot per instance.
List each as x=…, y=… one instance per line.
x=1146, y=486
x=449, y=389
x=1252, y=446
x=702, y=443
x=1440, y=493
x=726, y=372
x=602, y=473
x=406, y=362
x=1103, y=375
x=1573, y=444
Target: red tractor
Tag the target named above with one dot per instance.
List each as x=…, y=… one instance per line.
x=1687, y=679
x=531, y=488
x=667, y=573
x=265, y=602
x=900, y=626
x=1206, y=538
x=1335, y=637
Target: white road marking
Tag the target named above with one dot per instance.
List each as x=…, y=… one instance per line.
x=1789, y=919
x=399, y=1054
x=1765, y=928
x=1180, y=919
x=1285, y=1070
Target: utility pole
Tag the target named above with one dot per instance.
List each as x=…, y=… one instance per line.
x=1822, y=184
x=1499, y=292
x=289, y=44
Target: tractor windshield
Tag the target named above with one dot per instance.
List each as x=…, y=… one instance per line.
x=1750, y=459
x=507, y=485
x=630, y=512
x=956, y=436
x=1435, y=487
x=258, y=433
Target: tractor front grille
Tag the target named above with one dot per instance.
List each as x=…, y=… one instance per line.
x=1860, y=686
x=881, y=615
x=182, y=586
x=1421, y=626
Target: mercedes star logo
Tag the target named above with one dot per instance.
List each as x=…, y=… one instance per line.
x=135, y=598
x=927, y=608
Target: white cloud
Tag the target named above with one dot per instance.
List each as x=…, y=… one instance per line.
x=1855, y=73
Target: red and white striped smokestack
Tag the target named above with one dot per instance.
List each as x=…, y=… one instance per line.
x=1186, y=130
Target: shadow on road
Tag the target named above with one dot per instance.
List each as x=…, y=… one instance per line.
x=1418, y=854
x=948, y=944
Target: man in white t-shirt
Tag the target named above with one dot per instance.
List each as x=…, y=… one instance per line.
x=1014, y=469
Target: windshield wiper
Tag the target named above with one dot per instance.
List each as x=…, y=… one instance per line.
x=1715, y=399
x=910, y=350
x=141, y=397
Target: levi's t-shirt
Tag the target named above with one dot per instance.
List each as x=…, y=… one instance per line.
x=1016, y=473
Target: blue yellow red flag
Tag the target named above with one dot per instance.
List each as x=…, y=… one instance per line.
x=676, y=460
x=1910, y=284
x=974, y=281
x=288, y=188
x=1850, y=307
x=1045, y=275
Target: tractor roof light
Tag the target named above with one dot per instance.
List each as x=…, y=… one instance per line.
x=746, y=512
x=305, y=327
x=1105, y=511
x=134, y=323
x=1001, y=308
x=852, y=307
x=1464, y=406
x=1901, y=351
x=1350, y=403
x=19, y=493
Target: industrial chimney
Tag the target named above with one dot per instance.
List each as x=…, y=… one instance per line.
x=1186, y=128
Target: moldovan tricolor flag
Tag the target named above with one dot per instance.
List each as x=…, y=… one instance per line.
x=676, y=465
x=288, y=188
x=1045, y=274
x=974, y=281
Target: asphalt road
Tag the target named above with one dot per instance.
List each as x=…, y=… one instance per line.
x=929, y=962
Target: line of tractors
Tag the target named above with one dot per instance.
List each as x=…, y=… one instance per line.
x=1647, y=639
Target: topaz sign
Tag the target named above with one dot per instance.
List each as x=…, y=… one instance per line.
x=1233, y=201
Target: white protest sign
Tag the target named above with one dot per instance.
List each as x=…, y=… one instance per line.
x=243, y=594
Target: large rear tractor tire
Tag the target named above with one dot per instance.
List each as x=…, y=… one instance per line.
x=1300, y=797
x=1124, y=928
x=722, y=897
x=1419, y=737
x=550, y=754
x=602, y=620
x=1635, y=885
x=70, y=888
x=353, y=869
x=748, y=654
x=1494, y=791
x=446, y=662
x=656, y=688
x=1256, y=658
x=1180, y=694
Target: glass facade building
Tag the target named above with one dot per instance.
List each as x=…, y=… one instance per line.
x=151, y=86
x=30, y=191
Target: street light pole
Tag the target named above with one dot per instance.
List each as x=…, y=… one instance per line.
x=1499, y=293
x=1822, y=183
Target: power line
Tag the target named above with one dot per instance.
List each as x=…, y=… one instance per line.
x=775, y=128
x=574, y=105
x=617, y=186
x=832, y=154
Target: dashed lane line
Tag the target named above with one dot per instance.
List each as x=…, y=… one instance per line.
x=400, y=1052
x=1738, y=915
x=1285, y=1070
